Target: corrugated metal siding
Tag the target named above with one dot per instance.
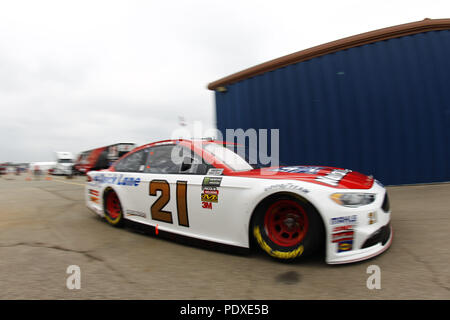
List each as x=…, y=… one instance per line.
x=381, y=109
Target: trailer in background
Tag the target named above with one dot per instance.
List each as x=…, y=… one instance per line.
x=64, y=163
x=101, y=158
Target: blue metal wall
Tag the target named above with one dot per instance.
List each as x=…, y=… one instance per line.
x=381, y=109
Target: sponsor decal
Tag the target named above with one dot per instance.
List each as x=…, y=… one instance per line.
x=345, y=246
x=211, y=191
x=299, y=169
x=94, y=199
x=214, y=172
x=345, y=220
x=207, y=205
x=334, y=177
x=209, y=197
x=94, y=192
x=343, y=236
x=211, y=182
x=340, y=234
x=120, y=180
x=372, y=217
x=128, y=181
x=135, y=213
x=289, y=185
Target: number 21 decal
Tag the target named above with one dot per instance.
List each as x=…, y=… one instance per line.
x=157, y=207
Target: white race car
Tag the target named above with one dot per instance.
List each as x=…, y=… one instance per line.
x=206, y=190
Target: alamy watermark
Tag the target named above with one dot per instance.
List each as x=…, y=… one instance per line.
x=253, y=147
x=74, y=280
x=374, y=280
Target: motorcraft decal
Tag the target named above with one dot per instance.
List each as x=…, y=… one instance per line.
x=299, y=169
x=334, y=177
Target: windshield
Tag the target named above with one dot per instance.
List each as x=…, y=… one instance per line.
x=233, y=160
x=240, y=157
x=65, y=161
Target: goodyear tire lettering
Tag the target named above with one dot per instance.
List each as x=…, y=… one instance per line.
x=112, y=221
x=275, y=253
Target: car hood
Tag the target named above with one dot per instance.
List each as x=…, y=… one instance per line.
x=327, y=176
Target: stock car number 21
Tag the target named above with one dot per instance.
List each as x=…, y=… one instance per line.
x=157, y=208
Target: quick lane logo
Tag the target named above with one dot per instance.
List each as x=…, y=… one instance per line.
x=119, y=180
x=334, y=177
x=128, y=181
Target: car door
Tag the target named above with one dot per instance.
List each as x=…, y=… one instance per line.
x=191, y=197
x=168, y=183
x=128, y=181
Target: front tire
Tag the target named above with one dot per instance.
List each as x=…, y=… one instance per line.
x=113, y=209
x=287, y=228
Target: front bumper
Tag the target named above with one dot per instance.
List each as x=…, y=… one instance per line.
x=375, y=245
x=356, y=234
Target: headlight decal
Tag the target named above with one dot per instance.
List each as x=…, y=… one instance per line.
x=353, y=199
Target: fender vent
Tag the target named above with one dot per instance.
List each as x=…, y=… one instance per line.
x=385, y=206
x=381, y=235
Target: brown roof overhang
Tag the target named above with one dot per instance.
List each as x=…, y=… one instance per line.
x=334, y=46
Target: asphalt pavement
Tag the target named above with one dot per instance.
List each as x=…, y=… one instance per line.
x=45, y=228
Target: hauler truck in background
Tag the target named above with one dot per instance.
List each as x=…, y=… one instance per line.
x=64, y=163
x=101, y=158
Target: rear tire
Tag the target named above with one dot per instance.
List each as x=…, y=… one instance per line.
x=113, y=209
x=287, y=227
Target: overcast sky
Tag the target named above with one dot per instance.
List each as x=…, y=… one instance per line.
x=75, y=75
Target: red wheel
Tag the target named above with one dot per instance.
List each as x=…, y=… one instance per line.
x=286, y=223
x=113, y=208
x=287, y=227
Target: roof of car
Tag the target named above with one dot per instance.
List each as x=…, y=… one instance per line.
x=175, y=141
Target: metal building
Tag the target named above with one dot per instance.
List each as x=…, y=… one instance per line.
x=378, y=103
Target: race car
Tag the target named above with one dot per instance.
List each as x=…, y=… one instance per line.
x=207, y=190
